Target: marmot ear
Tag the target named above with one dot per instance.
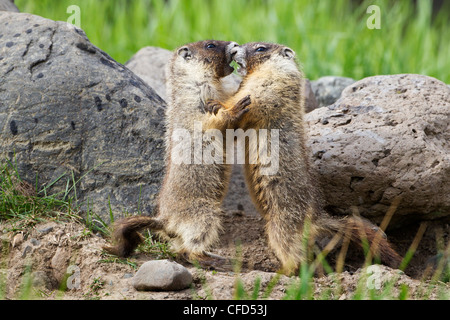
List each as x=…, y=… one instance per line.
x=184, y=52
x=288, y=53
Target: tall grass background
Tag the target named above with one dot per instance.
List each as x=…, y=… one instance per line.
x=331, y=37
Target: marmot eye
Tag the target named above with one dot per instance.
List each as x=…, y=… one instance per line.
x=261, y=49
x=210, y=46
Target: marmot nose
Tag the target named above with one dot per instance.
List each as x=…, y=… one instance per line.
x=232, y=47
x=234, y=51
x=231, y=50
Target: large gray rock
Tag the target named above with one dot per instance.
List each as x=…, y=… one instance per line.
x=311, y=102
x=328, y=89
x=68, y=108
x=149, y=64
x=165, y=275
x=238, y=200
x=8, y=5
x=387, y=136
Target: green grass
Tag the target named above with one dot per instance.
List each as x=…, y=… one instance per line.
x=156, y=248
x=24, y=205
x=368, y=287
x=331, y=37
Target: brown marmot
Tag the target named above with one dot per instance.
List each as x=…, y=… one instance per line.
x=189, y=203
x=288, y=196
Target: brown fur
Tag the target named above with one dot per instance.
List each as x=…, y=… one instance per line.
x=189, y=204
x=290, y=197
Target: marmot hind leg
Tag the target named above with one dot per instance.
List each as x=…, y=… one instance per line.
x=197, y=235
x=290, y=241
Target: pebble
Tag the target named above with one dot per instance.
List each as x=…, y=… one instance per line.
x=27, y=249
x=59, y=263
x=17, y=240
x=161, y=275
x=35, y=242
x=45, y=230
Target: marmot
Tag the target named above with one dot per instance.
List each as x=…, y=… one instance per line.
x=289, y=197
x=189, y=203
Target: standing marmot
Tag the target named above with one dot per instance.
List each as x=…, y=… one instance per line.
x=286, y=198
x=189, y=203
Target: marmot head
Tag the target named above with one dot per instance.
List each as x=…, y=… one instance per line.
x=209, y=57
x=252, y=55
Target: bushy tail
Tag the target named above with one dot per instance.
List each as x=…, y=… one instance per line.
x=358, y=230
x=126, y=234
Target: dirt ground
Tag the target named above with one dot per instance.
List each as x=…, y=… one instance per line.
x=64, y=260
x=50, y=248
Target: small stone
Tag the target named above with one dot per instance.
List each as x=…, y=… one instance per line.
x=35, y=242
x=27, y=249
x=59, y=263
x=161, y=275
x=45, y=230
x=17, y=240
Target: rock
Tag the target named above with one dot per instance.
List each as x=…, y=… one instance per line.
x=41, y=280
x=386, y=137
x=45, y=230
x=238, y=198
x=59, y=263
x=161, y=275
x=149, y=64
x=66, y=108
x=231, y=83
x=8, y=5
x=35, y=242
x=310, y=99
x=17, y=240
x=328, y=89
x=26, y=250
